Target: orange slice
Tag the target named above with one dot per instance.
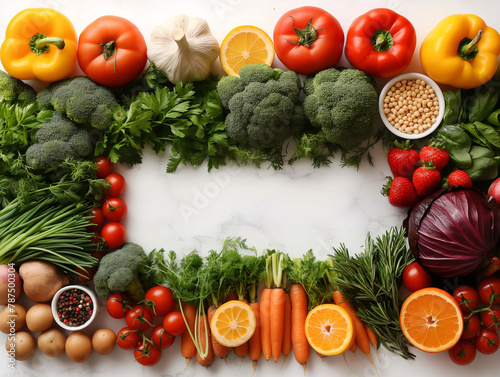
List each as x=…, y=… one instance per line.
x=233, y=323
x=245, y=45
x=431, y=320
x=329, y=329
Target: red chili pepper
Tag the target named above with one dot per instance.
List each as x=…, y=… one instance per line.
x=380, y=42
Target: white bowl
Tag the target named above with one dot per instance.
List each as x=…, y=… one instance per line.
x=55, y=299
x=412, y=76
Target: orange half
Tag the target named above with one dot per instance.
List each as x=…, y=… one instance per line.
x=233, y=323
x=431, y=320
x=329, y=329
x=244, y=45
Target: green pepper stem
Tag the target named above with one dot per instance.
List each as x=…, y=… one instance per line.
x=40, y=43
x=468, y=48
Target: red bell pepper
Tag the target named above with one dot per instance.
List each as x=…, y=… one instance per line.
x=380, y=42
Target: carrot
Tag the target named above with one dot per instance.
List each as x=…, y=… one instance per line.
x=353, y=346
x=254, y=345
x=287, y=328
x=204, y=342
x=242, y=350
x=219, y=349
x=265, y=322
x=298, y=300
x=372, y=337
x=361, y=337
x=188, y=348
x=277, y=314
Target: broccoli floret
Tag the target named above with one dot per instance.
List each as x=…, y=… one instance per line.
x=15, y=91
x=343, y=104
x=264, y=106
x=119, y=272
x=56, y=140
x=81, y=100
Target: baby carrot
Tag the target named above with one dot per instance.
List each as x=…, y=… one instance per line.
x=204, y=342
x=298, y=300
x=265, y=322
x=188, y=348
x=254, y=345
x=242, y=350
x=287, y=327
x=277, y=314
x=219, y=349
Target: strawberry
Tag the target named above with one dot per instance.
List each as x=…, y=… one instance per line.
x=401, y=192
x=402, y=159
x=426, y=179
x=459, y=178
x=436, y=153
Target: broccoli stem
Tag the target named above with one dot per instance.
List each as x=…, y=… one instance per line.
x=135, y=290
x=40, y=43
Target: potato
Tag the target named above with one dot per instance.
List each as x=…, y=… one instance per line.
x=11, y=286
x=78, y=347
x=104, y=341
x=12, y=316
x=20, y=345
x=39, y=317
x=52, y=342
x=41, y=280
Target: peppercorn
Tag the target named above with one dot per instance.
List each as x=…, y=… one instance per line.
x=70, y=305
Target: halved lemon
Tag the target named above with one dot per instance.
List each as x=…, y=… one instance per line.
x=244, y=45
x=431, y=320
x=233, y=323
x=329, y=329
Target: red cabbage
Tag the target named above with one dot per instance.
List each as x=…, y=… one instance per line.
x=452, y=231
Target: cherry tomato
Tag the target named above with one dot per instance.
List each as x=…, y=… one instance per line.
x=114, y=209
x=415, y=277
x=467, y=298
x=104, y=167
x=147, y=354
x=321, y=46
x=491, y=319
x=87, y=274
x=116, y=305
x=487, y=342
x=161, y=338
x=97, y=219
x=174, y=323
x=138, y=318
x=117, y=183
x=112, y=51
x=463, y=353
x=472, y=324
x=487, y=287
x=127, y=338
x=114, y=234
x=161, y=300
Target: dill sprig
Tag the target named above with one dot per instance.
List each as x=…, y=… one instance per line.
x=371, y=281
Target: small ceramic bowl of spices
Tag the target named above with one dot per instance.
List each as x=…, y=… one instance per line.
x=74, y=307
x=411, y=105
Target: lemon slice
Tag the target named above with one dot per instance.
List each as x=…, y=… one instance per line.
x=233, y=323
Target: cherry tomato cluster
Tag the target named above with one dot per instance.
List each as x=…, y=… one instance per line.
x=151, y=325
x=481, y=310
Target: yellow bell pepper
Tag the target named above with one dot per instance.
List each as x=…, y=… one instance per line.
x=39, y=43
x=461, y=51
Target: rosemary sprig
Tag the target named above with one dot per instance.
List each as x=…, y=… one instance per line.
x=371, y=280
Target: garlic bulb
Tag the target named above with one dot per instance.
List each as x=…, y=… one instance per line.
x=184, y=48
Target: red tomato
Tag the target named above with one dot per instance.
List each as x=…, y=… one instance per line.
x=380, y=42
x=161, y=300
x=161, y=338
x=463, y=353
x=308, y=39
x=112, y=51
x=467, y=298
x=114, y=209
x=415, y=277
x=87, y=274
x=489, y=289
x=174, y=323
x=487, y=342
x=104, y=167
x=117, y=305
x=138, y=318
x=127, y=338
x=117, y=183
x=147, y=354
x=491, y=319
x=472, y=324
x=114, y=234
x=97, y=219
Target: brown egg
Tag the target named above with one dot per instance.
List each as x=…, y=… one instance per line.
x=20, y=345
x=39, y=317
x=12, y=316
x=78, y=346
x=52, y=342
x=104, y=341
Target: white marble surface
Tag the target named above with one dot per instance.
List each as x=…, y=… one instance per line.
x=296, y=209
